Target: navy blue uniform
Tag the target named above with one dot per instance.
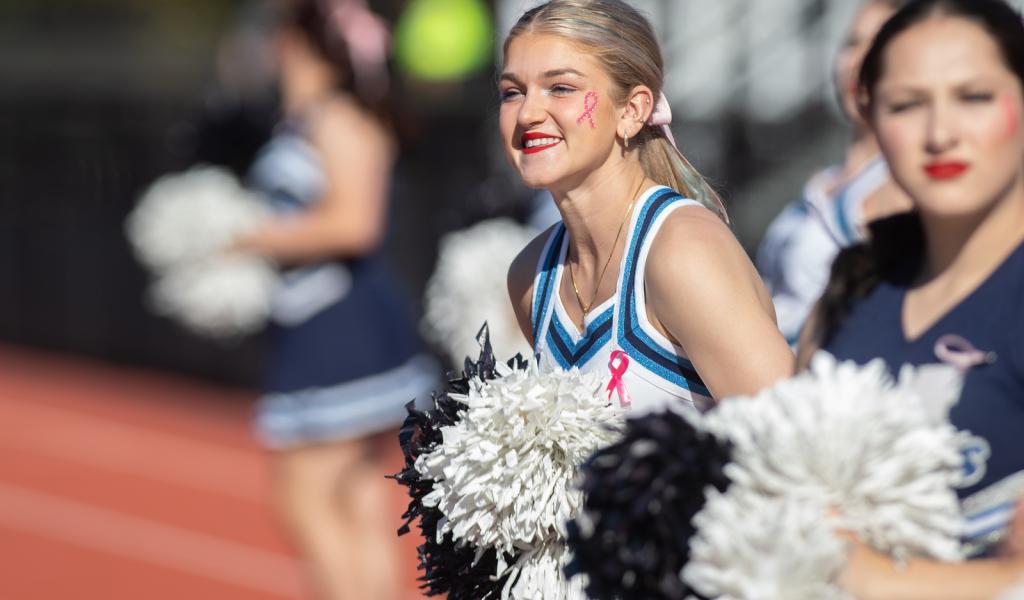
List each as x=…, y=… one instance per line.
x=991, y=406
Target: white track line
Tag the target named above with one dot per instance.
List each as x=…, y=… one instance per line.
x=79, y=438
x=149, y=542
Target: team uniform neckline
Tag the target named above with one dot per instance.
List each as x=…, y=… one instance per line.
x=607, y=306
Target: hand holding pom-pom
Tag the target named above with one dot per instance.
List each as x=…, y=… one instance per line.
x=840, y=448
x=880, y=454
x=190, y=216
x=182, y=230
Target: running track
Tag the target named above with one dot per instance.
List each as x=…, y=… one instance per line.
x=118, y=484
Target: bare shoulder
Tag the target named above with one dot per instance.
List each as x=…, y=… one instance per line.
x=704, y=293
x=693, y=240
x=887, y=200
x=346, y=128
x=520, y=279
x=697, y=258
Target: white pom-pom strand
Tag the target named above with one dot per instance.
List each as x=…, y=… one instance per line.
x=538, y=574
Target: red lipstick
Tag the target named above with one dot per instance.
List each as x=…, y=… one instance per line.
x=946, y=170
x=536, y=135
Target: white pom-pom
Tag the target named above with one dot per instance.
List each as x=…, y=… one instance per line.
x=191, y=215
x=179, y=230
x=504, y=473
x=468, y=287
x=880, y=454
x=750, y=546
x=227, y=297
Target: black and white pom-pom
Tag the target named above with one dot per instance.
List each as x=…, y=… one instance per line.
x=501, y=459
x=671, y=512
x=179, y=230
x=632, y=537
x=468, y=288
x=454, y=570
x=504, y=473
x=881, y=454
x=842, y=446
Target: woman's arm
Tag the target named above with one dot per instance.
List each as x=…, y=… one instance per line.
x=350, y=219
x=705, y=293
x=1013, y=544
x=873, y=576
x=809, y=341
x=520, y=282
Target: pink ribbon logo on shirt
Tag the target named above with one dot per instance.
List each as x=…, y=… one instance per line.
x=617, y=364
x=960, y=353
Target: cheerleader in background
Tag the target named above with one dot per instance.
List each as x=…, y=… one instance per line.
x=837, y=203
x=344, y=356
x=642, y=276
x=943, y=90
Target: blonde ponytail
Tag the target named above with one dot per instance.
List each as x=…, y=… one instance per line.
x=663, y=163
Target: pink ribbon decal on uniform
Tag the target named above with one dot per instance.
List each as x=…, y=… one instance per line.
x=958, y=352
x=618, y=364
x=588, y=109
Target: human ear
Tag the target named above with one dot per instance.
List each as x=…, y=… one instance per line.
x=637, y=111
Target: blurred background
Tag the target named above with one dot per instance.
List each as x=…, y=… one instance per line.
x=128, y=469
x=100, y=97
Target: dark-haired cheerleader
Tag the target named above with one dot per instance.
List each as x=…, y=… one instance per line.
x=943, y=89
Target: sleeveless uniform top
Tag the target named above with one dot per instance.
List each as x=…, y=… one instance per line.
x=991, y=406
x=796, y=255
x=289, y=171
x=658, y=374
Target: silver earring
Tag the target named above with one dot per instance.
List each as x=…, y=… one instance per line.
x=625, y=140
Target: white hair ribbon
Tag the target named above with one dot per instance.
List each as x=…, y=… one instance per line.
x=661, y=116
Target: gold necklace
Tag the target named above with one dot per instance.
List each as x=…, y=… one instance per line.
x=572, y=275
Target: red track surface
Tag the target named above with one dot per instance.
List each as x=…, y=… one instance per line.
x=118, y=484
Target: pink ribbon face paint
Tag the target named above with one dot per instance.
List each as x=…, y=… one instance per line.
x=589, y=104
x=1011, y=113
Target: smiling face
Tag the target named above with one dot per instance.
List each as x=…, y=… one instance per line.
x=946, y=111
x=865, y=26
x=558, y=118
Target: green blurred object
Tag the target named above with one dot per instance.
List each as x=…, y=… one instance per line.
x=444, y=40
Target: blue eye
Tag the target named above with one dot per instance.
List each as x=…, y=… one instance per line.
x=508, y=94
